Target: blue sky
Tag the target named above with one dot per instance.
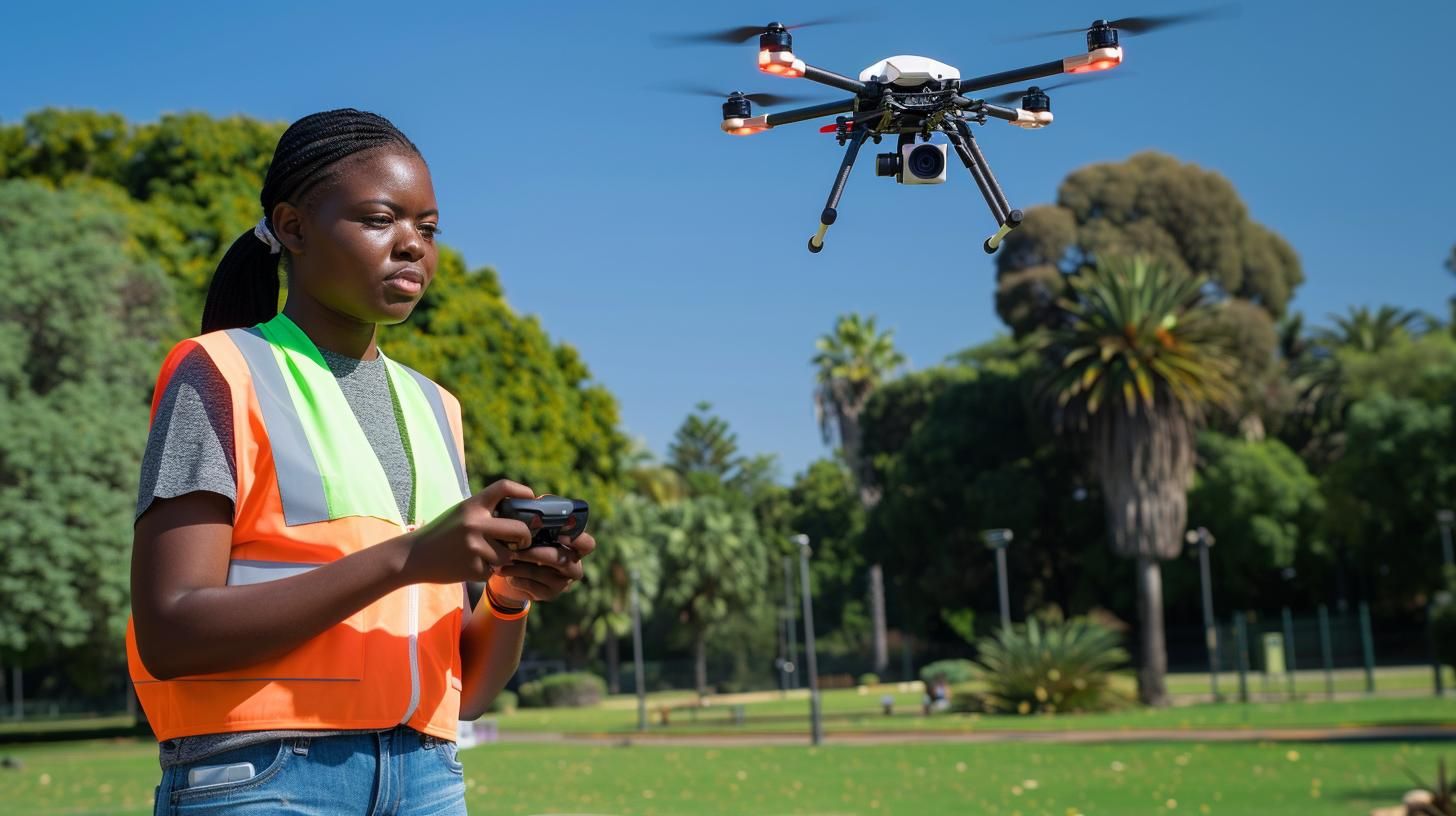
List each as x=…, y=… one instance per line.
x=673, y=256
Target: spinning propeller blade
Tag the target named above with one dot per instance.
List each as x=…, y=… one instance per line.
x=1012, y=96
x=742, y=34
x=767, y=100
x=1143, y=25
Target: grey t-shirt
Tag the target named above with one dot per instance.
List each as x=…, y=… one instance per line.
x=190, y=448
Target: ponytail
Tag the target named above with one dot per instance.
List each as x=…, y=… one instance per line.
x=244, y=289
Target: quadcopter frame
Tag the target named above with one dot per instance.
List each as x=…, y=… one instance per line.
x=914, y=105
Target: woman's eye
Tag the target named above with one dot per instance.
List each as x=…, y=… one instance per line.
x=430, y=230
x=377, y=220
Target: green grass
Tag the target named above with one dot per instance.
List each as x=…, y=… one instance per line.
x=849, y=712
x=117, y=777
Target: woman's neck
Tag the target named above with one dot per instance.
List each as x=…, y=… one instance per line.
x=331, y=330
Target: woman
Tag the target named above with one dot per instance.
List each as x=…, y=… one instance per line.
x=301, y=639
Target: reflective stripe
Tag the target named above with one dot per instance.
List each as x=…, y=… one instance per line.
x=437, y=403
x=300, y=484
x=259, y=572
x=414, y=653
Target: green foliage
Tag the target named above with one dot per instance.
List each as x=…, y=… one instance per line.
x=565, y=690
x=962, y=622
x=1262, y=506
x=1187, y=219
x=76, y=361
x=504, y=703
x=869, y=679
x=851, y=361
x=824, y=506
x=1051, y=666
x=717, y=563
x=952, y=671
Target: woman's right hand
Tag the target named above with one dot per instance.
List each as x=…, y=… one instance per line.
x=466, y=543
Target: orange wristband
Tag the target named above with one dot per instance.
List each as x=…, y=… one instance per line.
x=500, y=615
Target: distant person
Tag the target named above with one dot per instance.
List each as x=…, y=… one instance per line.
x=305, y=636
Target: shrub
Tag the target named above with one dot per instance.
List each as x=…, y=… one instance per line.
x=570, y=689
x=1054, y=666
x=504, y=703
x=967, y=699
x=954, y=671
x=869, y=679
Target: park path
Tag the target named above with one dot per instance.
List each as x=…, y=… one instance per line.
x=1425, y=733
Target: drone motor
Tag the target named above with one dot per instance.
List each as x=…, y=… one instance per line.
x=776, y=52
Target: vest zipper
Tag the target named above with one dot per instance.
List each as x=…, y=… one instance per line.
x=414, y=646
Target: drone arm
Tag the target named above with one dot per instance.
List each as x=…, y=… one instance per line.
x=1013, y=77
x=789, y=117
x=833, y=80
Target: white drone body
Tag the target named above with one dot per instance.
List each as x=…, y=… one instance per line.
x=909, y=71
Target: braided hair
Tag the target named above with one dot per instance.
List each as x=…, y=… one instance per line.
x=244, y=288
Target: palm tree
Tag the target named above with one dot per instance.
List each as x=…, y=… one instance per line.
x=1371, y=331
x=1137, y=367
x=853, y=360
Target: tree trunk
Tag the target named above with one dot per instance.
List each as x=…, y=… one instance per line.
x=1152, y=688
x=700, y=662
x=614, y=664
x=877, y=616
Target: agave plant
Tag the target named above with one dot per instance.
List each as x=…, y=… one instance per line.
x=1046, y=667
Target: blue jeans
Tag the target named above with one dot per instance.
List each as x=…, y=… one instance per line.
x=392, y=773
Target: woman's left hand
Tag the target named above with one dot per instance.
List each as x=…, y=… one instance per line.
x=542, y=573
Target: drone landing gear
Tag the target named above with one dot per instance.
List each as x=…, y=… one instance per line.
x=1007, y=218
x=831, y=213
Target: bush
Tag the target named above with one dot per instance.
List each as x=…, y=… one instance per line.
x=967, y=699
x=567, y=690
x=869, y=679
x=1053, y=666
x=504, y=703
x=954, y=671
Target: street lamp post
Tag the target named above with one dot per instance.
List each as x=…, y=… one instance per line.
x=637, y=657
x=1203, y=539
x=816, y=722
x=998, y=541
x=790, y=664
x=1445, y=518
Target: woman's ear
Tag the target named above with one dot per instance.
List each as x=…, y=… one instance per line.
x=288, y=227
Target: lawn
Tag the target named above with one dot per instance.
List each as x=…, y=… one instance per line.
x=117, y=777
x=848, y=712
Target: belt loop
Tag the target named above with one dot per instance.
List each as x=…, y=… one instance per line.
x=428, y=740
x=300, y=746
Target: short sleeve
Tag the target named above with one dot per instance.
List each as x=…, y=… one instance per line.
x=190, y=446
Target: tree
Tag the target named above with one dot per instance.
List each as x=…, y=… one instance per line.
x=824, y=505
x=76, y=365
x=1189, y=220
x=715, y=565
x=1134, y=365
x=598, y=610
x=1263, y=506
x=852, y=361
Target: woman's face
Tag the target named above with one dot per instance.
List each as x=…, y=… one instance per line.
x=369, y=239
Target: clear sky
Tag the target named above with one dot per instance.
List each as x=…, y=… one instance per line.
x=673, y=255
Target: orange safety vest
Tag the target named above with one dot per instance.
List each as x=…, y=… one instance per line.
x=310, y=491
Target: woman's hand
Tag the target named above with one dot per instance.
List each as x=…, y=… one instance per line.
x=467, y=542
x=542, y=573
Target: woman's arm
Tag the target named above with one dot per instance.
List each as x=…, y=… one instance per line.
x=490, y=651
x=188, y=621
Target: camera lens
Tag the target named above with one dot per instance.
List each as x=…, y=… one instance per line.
x=926, y=161
x=887, y=164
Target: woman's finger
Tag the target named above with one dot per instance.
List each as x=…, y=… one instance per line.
x=547, y=556
x=544, y=575
x=583, y=545
x=535, y=589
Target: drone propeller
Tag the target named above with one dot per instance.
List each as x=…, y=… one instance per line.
x=742, y=34
x=1012, y=96
x=767, y=100
x=1143, y=25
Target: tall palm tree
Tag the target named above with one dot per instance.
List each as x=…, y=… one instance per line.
x=1136, y=366
x=852, y=361
x=1371, y=331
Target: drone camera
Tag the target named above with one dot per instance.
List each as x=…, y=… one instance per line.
x=914, y=164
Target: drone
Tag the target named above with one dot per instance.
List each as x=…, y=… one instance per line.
x=912, y=98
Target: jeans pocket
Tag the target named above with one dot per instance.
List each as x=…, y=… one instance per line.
x=267, y=759
x=450, y=753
